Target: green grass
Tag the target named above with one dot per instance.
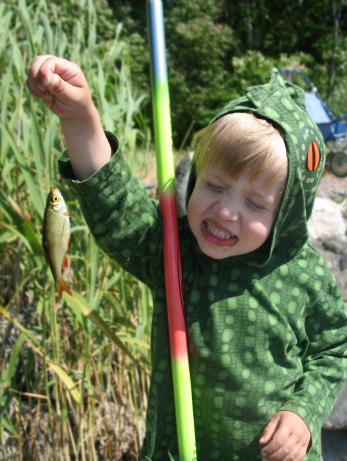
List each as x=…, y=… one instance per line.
x=73, y=385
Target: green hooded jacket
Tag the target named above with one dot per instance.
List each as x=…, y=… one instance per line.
x=267, y=330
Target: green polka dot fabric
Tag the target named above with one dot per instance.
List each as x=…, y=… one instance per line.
x=267, y=331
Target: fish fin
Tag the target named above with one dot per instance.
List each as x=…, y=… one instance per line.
x=66, y=262
x=69, y=214
x=62, y=285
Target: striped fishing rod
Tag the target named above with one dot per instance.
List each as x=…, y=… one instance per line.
x=172, y=260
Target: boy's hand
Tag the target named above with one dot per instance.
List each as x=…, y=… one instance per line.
x=61, y=85
x=64, y=89
x=285, y=438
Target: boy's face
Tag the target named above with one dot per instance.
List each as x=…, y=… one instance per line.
x=232, y=217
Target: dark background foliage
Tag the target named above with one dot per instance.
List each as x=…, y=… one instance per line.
x=218, y=47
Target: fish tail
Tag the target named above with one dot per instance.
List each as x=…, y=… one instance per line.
x=62, y=285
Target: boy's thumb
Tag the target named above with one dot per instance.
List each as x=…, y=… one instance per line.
x=269, y=431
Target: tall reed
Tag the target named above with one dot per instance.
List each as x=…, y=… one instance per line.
x=73, y=373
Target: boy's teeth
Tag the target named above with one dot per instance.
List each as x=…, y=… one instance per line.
x=218, y=233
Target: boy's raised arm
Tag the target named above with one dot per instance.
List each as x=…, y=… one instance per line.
x=63, y=87
x=108, y=210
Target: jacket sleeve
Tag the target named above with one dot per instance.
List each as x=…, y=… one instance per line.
x=125, y=223
x=325, y=360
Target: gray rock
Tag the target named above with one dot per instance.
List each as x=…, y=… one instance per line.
x=327, y=230
x=334, y=245
x=334, y=445
x=326, y=221
x=343, y=262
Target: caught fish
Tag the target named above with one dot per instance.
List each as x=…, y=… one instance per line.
x=56, y=237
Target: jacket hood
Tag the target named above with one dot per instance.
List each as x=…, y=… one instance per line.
x=282, y=104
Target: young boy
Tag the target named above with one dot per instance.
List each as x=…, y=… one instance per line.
x=266, y=324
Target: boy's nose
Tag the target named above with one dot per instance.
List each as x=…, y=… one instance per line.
x=227, y=212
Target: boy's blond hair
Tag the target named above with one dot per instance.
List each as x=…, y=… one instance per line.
x=240, y=141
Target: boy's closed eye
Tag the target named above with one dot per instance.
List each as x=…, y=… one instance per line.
x=214, y=187
x=254, y=205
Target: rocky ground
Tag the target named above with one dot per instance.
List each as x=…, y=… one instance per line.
x=328, y=233
x=328, y=226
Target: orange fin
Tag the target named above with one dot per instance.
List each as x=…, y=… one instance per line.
x=69, y=214
x=66, y=263
x=62, y=285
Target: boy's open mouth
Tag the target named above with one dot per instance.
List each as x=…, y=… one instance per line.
x=217, y=235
